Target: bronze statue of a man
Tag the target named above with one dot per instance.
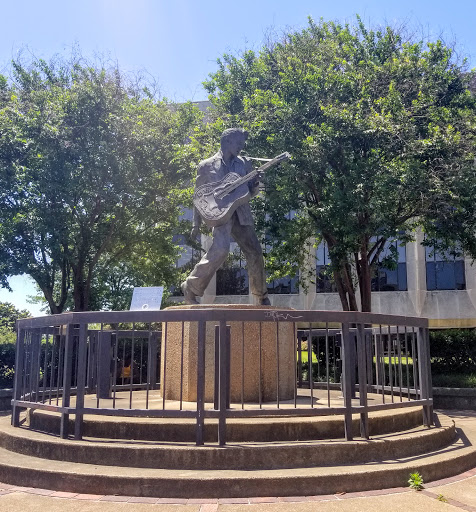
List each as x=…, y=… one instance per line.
x=213, y=176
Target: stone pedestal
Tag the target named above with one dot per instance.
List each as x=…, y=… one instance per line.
x=246, y=365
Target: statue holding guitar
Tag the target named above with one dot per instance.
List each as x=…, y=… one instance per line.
x=225, y=184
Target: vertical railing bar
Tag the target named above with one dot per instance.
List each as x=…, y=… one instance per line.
x=25, y=362
x=223, y=388
x=381, y=362
x=334, y=358
x=363, y=380
x=131, y=377
x=60, y=363
x=162, y=380
x=68, y=362
x=149, y=366
x=123, y=360
x=400, y=368
x=53, y=364
x=318, y=356
x=80, y=381
x=260, y=399
x=114, y=379
x=216, y=377
x=369, y=362
x=45, y=368
x=76, y=363
x=181, y=364
x=18, y=376
x=309, y=365
x=277, y=365
x=32, y=364
x=376, y=353
x=200, y=382
x=298, y=368
x=299, y=356
x=327, y=367
x=428, y=374
x=242, y=365
x=407, y=363
x=38, y=366
x=415, y=356
x=424, y=370
x=390, y=360
x=141, y=358
x=347, y=380
x=98, y=362
x=90, y=359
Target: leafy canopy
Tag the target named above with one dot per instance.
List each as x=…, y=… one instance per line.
x=91, y=172
x=381, y=128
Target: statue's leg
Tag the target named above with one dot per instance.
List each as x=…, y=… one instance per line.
x=249, y=244
x=204, y=270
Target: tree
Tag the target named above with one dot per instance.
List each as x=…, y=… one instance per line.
x=92, y=168
x=9, y=314
x=382, y=131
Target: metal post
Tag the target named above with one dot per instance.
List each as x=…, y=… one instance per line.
x=200, y=382
x=81, y=382
x=223, y=378
x=362, y=373
x=424, y=371
x=347, y=363
x=68, y=366
x=17, y=387
x=35, y=365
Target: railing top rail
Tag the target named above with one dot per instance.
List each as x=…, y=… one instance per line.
x=221, y=313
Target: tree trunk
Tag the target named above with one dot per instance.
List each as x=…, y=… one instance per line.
x=364, y=275
x=345, y=287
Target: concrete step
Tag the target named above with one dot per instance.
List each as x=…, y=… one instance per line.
x=238, y=456
x=279, y=428
x=26, y=470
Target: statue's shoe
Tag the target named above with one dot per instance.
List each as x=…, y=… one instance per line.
x=189, y=296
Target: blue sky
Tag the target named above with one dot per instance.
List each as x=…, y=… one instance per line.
x=178, y=41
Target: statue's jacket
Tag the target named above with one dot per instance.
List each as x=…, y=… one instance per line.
x=214, y=169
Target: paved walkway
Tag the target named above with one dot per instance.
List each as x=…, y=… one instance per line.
x=450, y=495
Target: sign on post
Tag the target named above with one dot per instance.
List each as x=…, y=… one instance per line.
x=147, y=298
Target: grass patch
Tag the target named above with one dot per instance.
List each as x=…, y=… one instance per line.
x=395, y=360
x=454, y=380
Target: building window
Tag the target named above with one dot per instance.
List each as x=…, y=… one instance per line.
x=444, y=271
x=390, y=274
x=285, y=285
x=324, y=281
x=232, y=277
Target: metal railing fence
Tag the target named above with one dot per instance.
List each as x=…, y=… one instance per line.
x=221, y=363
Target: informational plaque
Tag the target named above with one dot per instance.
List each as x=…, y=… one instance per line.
x=147, y=298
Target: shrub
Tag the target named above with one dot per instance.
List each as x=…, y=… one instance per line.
x=453, y=351
x=7, y=357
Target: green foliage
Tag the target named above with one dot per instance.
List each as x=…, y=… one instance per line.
x=381, y=128
x=453, y=351
x=416, y=481
x=454, y=380
x=9, y=314
x=91, y=175
x=7, y=357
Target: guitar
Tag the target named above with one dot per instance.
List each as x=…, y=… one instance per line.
x=217, y=201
